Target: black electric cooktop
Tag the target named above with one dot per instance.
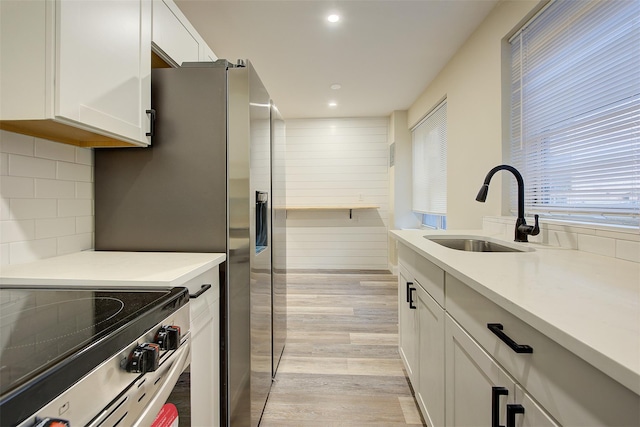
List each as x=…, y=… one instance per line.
x=51, y=337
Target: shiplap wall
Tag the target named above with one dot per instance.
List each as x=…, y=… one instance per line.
x=337, y=162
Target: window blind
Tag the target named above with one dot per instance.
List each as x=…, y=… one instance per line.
x=575, y=111
x=429, y=140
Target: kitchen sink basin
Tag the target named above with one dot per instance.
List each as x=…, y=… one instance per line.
x=472, y=244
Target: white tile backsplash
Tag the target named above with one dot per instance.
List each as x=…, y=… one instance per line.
x=611, y=241
x=75, y=207
x=84, y=224
x=4, y=254
x=15, y=143
x=54, y=150
x=74, y=172
x=55, y=227
x=33, y=208
x=31, y=167
x=4, y=164
x=17, y=231
x=84, y=190
x=597, y=245
x=32, y=250
x=84, y=156
x=628, y=250
x=55, y=189
x=46, y=198
x=17, y=187
x=5, y=212
x=562, y=239
x=74, y=243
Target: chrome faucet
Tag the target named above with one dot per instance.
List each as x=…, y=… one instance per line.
x=522, y=229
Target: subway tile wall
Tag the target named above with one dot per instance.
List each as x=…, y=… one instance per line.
x=614, y=242
x=46, y=198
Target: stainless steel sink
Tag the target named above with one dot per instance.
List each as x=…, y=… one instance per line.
x=474, y=244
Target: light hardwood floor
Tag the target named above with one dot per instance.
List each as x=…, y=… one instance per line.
x=341, y=365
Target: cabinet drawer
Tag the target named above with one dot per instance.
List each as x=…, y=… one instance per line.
x=570, y=389
x=429, y=275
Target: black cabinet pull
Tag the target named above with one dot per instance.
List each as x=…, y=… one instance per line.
x=203, y=289
x=152, y=127
x=496, y=392
x=408, y=286
x=411, y=306
x=496, y=328
x=512, y=410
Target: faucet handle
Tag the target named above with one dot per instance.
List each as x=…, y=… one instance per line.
x=523, y=230
x=536, y=229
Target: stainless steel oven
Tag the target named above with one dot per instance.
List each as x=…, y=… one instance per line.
x=95, y=357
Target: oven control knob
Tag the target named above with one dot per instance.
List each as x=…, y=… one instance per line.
x=144, y=358
x=168, y=337
x=153, y=356
x=137, y=360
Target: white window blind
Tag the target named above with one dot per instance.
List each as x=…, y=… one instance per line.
x=575, y=111
x=430, y=163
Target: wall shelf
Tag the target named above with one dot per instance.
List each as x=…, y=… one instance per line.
x=350, y=208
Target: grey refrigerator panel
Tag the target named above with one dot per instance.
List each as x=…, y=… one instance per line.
x=170, y=196
x=194, y=190
x=250, y=175
x=278, y=237
x=260, y=178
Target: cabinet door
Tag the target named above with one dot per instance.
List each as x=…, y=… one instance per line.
x=103, y=66
x=430, y=386
x=171, y=37
x=206, y=54
x=408, y=324
x=205, y=348
x=533, y=415
x=471, y=375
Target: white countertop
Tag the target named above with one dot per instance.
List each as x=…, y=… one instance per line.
x=105, y=268
x=588, y=303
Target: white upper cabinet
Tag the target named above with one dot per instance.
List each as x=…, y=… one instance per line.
x=171, y=40
x=104, y=66
x=77, y=72
x=174, y=39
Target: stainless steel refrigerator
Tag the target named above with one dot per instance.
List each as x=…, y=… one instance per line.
x=205, y=185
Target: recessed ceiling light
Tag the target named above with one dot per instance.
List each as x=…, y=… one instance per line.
x=333, y=104
x=333, y=18
x=336, y=86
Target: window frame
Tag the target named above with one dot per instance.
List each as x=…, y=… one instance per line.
x=568, y=212
x=429, y=192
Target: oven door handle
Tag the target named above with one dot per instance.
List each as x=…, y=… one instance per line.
x=180, y=361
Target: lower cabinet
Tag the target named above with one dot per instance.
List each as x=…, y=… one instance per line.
x=421, y=341
x=431, y=358
x=205, y=348
x=408, y=324
x=479, y=392
x=472, y=363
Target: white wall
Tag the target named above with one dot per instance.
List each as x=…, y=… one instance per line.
x=46, y=198
x=474, y=82
x=337, y=162
x=400, y=182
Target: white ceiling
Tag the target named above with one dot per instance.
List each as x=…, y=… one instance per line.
x=382, y=52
